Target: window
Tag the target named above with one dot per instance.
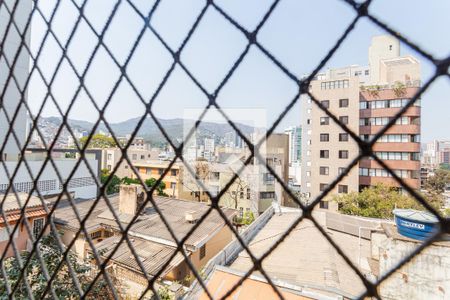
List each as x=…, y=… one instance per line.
x=342, y=189
x=323, y=186
x=142, y=156
x=366, y=72
x=134, y=157
x=160, y=171
x=96, y=234
x=109, y=156
x=324, y=137
x=343, y=102
x=343, y=119
x=324, y=171
x=341, y=170
x=267, y=195
x=343, y=137
x=324, y=153
x=343, y=154
x=173, y=185
x=325, y=103
x=202, y=251
x=173, y=172
x=323, y=204
x=324, y=120
x=38, y=225
x=248, y=194
x=308, y=173
x=308, y=121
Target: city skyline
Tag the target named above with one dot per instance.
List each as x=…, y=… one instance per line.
x=256, y=83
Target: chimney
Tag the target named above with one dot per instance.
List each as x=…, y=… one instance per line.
x=130, y=198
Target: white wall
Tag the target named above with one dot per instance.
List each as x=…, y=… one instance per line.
x=12, y=95
x=82, y=183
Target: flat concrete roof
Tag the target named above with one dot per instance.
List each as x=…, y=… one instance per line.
x=305, y=258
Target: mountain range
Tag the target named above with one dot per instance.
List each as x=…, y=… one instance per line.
x=150, y=131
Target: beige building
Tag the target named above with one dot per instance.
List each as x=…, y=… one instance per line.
x=150, y=237
x=364, y=99
x=254, y=190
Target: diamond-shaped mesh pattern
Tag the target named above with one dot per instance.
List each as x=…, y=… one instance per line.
x=48, y=76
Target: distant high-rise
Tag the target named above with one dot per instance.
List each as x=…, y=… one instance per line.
x=295, y=143
x=13, y=95
x=364, y=99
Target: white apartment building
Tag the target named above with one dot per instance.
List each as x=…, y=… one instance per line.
x=82, y=184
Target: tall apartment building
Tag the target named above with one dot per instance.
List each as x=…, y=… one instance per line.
x=365, y=99
x=435, y=153
x=13, y=96
x=295, y=143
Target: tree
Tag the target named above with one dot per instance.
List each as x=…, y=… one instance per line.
x=98, y=141
x=149, y=183
x=159, y=189
x=444, y=166
x=62, y=283
x=236, y=192
x=202, y=175
x=113, y=185
x=399, y=89
x=379, y=201
x=438, y=182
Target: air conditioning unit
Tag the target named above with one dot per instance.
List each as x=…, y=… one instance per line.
x=192, y=216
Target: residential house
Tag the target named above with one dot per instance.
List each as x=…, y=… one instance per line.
x=10, y=209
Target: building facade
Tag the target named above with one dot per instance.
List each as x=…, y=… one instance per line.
x=365, y=99
x=11, y=93
x=295, y=143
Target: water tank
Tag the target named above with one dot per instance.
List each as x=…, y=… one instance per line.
x=415, y=224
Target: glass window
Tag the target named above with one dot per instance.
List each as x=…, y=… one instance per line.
x=343, y=119
x=324, y=171
x=343, y=102
x=323, y=186
x=324, y=120
x=343, y=154
x=325, y=103
x=324, y=137
x=342, y=189
x=324, y=153
x=343, y=137
x=203, y=250
x=38, y=226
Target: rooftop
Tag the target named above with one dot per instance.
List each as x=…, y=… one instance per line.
x=11, y=202
x=305, y=258
x=253, y=287
x=152, y=255
x=148, y=225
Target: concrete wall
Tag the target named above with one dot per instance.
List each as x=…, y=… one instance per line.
x=21, y=237
x=232, y=250
x=427, y=276
x=13, y=94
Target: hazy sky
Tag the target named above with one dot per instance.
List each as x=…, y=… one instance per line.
x=299, y=34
